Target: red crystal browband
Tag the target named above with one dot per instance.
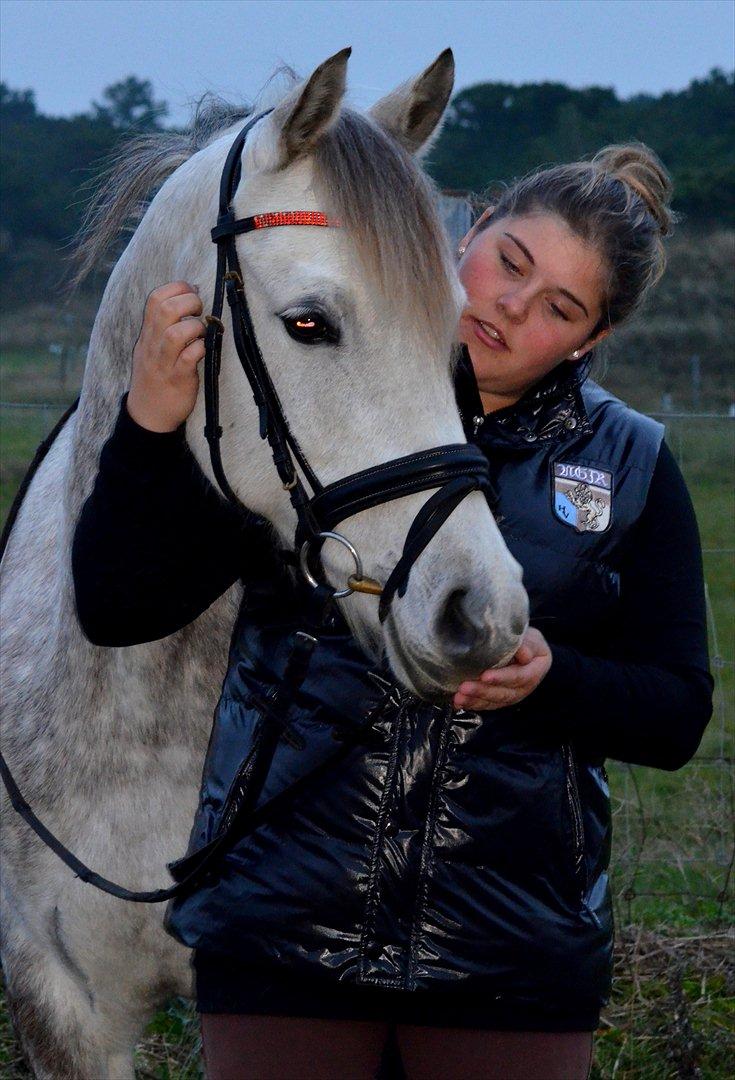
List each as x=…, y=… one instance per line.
x=292, y=217
x=227, y=226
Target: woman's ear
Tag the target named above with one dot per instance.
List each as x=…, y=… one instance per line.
x=582, y=351
x=464, y=242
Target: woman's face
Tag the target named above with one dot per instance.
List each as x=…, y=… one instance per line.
x=534, y=293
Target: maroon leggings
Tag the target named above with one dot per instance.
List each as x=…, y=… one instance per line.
x=241, y=1047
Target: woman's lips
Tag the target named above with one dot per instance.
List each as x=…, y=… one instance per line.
x=488, y=334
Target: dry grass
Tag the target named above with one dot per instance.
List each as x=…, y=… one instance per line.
x=672, y=1017
x=672, y=1014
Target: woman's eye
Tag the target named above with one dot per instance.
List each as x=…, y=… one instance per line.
x=511, y=266
x=559, y=313
x=310, y=328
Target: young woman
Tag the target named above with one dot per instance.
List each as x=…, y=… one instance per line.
x=470, y=906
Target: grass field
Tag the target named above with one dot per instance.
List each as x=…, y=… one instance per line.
x=672, y=1013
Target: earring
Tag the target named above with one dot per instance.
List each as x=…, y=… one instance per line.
x=575, y=354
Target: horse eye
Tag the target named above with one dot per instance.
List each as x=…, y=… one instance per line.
x=310, y=328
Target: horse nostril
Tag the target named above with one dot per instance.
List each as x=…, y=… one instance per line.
x=455, y=624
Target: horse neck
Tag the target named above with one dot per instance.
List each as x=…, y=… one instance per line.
x=151, y=259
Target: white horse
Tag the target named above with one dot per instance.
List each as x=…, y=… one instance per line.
x=107, y=744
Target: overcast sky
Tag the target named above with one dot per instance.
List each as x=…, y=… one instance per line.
x=67, y=51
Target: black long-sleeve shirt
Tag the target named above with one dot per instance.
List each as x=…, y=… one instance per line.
x=155, y=545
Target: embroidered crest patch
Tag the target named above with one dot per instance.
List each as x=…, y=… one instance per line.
x=582, y=496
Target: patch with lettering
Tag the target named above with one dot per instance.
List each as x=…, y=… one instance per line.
x=582, y=496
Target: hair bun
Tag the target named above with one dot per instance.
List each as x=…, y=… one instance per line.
x=637, y=166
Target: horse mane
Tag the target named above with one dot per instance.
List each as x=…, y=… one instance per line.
x=131, y=175
x=368, y=181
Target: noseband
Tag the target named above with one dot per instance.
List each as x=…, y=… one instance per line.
x=455, y=469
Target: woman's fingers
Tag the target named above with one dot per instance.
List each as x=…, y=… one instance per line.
x=500, y=699
x=173, y=308
x=191, y=355
x=165, y=308
x=169, y=291
x=165, y=380
x=515, y=676
x=192, y=352
x=523, y=655
x=177, y=336
x=501, y=687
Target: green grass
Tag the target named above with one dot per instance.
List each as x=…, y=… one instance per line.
x=648, y=1042
x=31, y=376
x=171, y=1049
x=21, y=431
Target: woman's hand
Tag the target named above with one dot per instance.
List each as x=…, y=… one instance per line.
x=165, y=380
x=499, y=687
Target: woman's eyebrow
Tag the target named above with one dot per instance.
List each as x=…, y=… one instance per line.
x=529, y=256
x=523, y=247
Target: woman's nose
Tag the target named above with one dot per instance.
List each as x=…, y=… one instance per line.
x=513, y=305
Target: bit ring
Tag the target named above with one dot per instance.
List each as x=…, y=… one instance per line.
x=304, y=561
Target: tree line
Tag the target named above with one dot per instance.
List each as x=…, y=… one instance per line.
x=496, y=131
x=493, y=133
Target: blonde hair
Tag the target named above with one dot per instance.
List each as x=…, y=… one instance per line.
x=619, y=202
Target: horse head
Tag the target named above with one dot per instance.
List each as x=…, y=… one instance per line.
x=356, y=325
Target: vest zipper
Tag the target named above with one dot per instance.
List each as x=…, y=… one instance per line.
x=477, y=422
x=575, y=811
x=239, y=787
x=426, y=856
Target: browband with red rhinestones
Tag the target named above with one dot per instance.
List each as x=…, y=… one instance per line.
x=228, y=226
x=292, y=217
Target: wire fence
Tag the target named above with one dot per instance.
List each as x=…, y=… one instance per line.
x=675, y=833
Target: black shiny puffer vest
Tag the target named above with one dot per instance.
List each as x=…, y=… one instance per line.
x=446, y=850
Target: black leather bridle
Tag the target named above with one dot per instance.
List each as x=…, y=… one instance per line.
x=455, y=469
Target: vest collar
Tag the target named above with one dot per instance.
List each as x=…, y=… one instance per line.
x=551, y=411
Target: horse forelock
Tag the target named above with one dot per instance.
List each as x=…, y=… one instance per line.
x=389, y=207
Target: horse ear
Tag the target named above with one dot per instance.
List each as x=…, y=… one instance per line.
x=304, y=117
x=411, y=114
